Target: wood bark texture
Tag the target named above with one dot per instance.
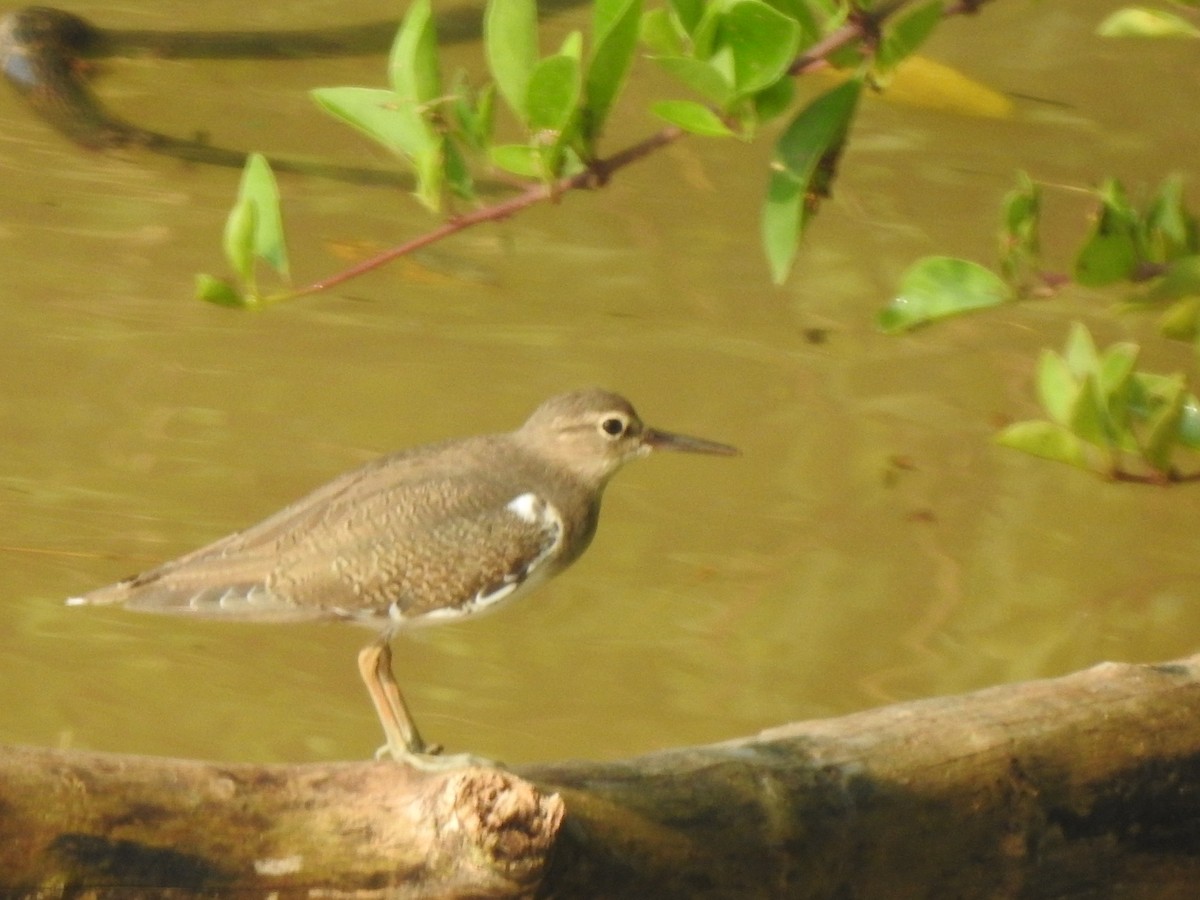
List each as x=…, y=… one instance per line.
x=1077, y=787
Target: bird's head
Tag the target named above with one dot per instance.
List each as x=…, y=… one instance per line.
x=592, y=433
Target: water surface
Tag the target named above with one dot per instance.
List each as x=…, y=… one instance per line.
x=871, y=545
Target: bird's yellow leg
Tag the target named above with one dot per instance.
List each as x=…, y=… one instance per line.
x=375, y=667
x=404, y=743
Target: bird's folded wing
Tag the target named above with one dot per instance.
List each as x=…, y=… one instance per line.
x=360, y=553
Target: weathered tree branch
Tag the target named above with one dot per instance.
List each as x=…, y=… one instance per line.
x=1083, y=786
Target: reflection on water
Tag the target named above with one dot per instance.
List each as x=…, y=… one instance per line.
x=871, y=544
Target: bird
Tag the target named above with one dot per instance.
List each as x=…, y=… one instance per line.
x=433, y=534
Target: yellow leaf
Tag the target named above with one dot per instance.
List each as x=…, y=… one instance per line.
x=926, y=84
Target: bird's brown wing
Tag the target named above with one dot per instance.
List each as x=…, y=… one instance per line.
x=357, y=546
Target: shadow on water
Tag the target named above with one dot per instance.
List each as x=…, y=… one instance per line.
x=44, y=51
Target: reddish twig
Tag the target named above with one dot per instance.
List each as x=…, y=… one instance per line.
x=596, y=175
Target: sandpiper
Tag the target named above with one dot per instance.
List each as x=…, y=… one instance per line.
x=433, y=534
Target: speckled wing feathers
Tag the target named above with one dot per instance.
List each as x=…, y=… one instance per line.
x=366, y=546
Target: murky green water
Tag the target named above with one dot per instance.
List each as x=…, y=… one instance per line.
x=871, y=545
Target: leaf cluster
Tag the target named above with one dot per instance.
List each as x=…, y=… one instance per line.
x=733, y=61
x=1155, y=248
x=560, y=101
x=1105, y=416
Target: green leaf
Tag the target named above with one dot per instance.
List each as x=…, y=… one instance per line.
x=763, y=42
x=689, y=13
x=553, y=94
x=1116, y=365
x=520, y=159
x=398, y=126
x=816, y=128
x=572, y=46
x=784, y=218
x=413, y=63
x=1189, y=423
x=472, y=114
x=837, y=11
x=1133, y=21
x=254, y=228
x=1089, y=416
x=511, y=44
x=1181, y=321
x=803, y=15
x=1022, y=206
x=1110, y=253
x=774, y=100
x=793, y=9
x=1171, y=229
x=1080, y=352
x=660, y=32
x=218, y=291
x=691, y=116
x=1181, y=279
x=1046, y=440
x=1148, y=391
x=805, y=157
x=1056, y=387
x=259, y=187
x=704, y=34
x=1020, y=244
x=940, y=286
x=239, y=238
x=908, y=33
x=1112, y=381
x=1171, y=412
x=702, y=77
x=1106, y=258
x=380, y=115
x=1163, y=433
x=431, y=175
x=458, y=173
x=615, y=33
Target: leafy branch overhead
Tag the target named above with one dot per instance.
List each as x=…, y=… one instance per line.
x=540, y=119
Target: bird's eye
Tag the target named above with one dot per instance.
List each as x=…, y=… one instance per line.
x=613, y=426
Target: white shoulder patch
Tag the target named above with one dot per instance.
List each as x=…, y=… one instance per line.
x=527, y=506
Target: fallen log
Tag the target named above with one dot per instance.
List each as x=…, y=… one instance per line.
x=1081, y=786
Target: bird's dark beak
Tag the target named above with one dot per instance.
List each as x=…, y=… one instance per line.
x=665, y=440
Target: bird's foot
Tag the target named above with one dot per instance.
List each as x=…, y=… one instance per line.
x=431, y=759
x=387, y=751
